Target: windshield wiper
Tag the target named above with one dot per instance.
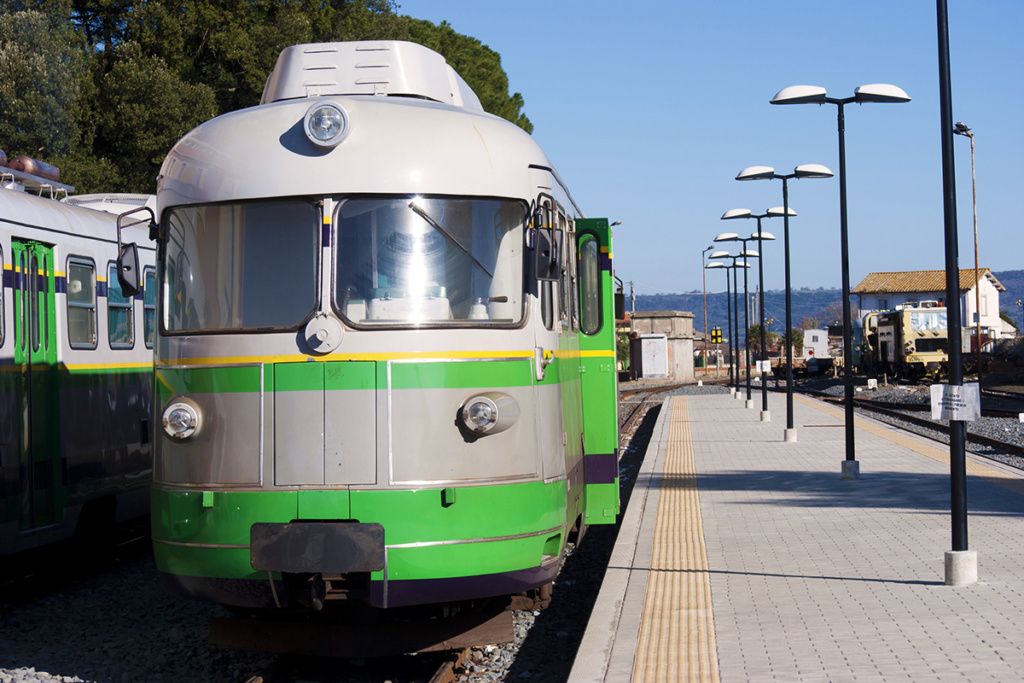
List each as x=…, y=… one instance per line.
x=437, y=226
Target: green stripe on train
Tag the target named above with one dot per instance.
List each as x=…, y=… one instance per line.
x=344, y=375
x=408, y=516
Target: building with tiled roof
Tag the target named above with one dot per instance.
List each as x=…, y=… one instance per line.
x=885, y=291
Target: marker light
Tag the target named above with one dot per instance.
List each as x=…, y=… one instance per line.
x=326, y=124
x=181, y=419
x=489, y=413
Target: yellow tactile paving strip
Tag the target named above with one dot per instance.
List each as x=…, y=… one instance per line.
x=989, y=474
x=677, y=632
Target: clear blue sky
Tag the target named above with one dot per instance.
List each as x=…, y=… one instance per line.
x=649, y=109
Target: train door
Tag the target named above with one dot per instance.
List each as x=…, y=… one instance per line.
x=599, y=388
x=35, y=360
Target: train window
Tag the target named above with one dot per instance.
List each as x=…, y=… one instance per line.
x=419, y=260
x=33, y=299
x=120, y=321
x=81, y=286
x=244, y=266
x=149, y=307
x=590, y=285
x=547, y=309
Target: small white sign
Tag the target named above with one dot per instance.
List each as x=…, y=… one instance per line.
x=764, y=366
x=956, y=403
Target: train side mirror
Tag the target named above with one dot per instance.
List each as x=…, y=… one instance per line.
x=620, y=305
x=545, y=255
x=128, y=274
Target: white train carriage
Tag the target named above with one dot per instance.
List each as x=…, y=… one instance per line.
x=75, y=366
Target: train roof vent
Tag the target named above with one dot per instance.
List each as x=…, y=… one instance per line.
x=366, y=68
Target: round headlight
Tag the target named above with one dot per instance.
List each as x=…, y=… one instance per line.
x=326, y=124
x=489, y=413
x=181, y=420
x=480, y=415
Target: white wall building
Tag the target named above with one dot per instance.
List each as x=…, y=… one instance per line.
x=886, y=291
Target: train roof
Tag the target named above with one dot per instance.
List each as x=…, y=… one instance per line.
x=30, y=210
x=420, y=132
x=20, y=181
x=389, y=68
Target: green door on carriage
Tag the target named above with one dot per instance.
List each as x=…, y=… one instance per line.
x=599, y=385
x=35, y=367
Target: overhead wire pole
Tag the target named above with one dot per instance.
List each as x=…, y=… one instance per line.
x=961, y=129
x=961, y=564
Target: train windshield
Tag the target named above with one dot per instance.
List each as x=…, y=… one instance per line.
x=241, y=266
x=420, y=260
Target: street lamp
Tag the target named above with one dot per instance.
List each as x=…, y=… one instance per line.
x=768, y=173
x=728, y=315
x=961, y=129
x=745, y=253
x=766, y=415
x=734, y=351
x=704, y=280
x=809, y=94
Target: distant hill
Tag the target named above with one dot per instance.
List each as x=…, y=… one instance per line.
x=1013, y=280
x=807, y=303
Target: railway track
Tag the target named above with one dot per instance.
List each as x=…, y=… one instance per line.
x=902, y=413
x=443, y=667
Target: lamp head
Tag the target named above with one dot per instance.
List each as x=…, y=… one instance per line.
x=764, y=236
x=756, y=173
x=812, y=171
x=736, y=213
x=727, y=237
x=716, y=264
x=880, y=92
x=800, y=94
x=961, y=129
x=720, y=254
x=777, y=211
x=749, y=253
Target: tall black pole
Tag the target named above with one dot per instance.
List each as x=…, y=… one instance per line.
x=764, y=349
x=728, y=322
x=736, y=316
x=789, y=312
x=746, y=317
x=957, y=456
x=847, y=322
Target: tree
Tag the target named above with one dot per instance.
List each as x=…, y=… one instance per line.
x=478, y=64
x=796, y=340
x=132, y=128
x=754, y=335
x=41, y=76
x=1003, y=315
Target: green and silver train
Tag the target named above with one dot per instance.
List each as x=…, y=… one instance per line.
x=385, y=368
x=76, y=365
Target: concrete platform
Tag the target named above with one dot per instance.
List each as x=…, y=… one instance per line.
x=743, y=557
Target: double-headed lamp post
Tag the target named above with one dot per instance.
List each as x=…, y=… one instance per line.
x=810, y=94
x=704, y=280
x=745, y=253
x=768, y=173
x=760, y=236
x=734, y=311
x=728, y=301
